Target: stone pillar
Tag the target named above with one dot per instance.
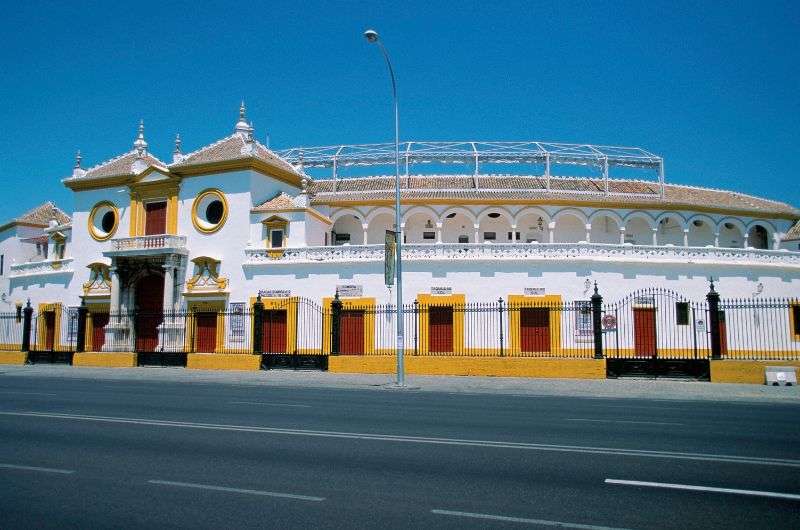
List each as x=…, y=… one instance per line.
x=477, y=233
x=169, y=286
x=746, y=240
x=716, y=239
x=551, y=231
x=622, y=235
x=685, y=237
x=438, y=232
x=365, y=228
x=115, y=290
x=655, y=237
x=588, y=232
x=776, y=241
x=513, y=233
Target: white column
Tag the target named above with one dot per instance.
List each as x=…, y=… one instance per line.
x=776, y=241
x=477, y=232
x=169, y=286
x=685, y=237
x=115, y=290
x=746, y=241
x=365, y=228
x=716, y=239
x=551, y=231
x=588, y=232
x=622, y=235
x=513, y=233
x=655, y=237
x=438, y=232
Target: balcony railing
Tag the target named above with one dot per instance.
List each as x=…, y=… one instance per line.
x=35, y=268
x=147, y=244
x=529, y=251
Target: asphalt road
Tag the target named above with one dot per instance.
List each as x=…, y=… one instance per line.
x=94, y=453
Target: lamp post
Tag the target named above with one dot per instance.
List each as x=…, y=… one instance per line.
x=372, y=37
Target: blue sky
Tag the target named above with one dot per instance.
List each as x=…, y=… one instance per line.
x=712, y=89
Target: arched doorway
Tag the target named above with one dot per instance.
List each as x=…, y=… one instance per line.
x=148, y=301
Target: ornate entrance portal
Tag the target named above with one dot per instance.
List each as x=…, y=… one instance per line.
x=149, y=297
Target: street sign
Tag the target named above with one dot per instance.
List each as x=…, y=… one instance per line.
x=609, y=322
x=350, y=290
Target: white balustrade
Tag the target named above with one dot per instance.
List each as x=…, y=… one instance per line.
x=161, y=241
x=35, y=268
x=528, y=251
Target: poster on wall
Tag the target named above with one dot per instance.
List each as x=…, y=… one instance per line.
x=275, y=293
x=236, y=322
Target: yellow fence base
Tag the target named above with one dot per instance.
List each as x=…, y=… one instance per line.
x=13, y=357
x=751, y=372
x=105, y=359
x=485, y=366
x=223, y=361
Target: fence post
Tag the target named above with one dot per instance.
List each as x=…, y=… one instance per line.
x=597, y=323
x=416, y=326
x=713, y=322
x=500, y=310
x=336, y=320
x=27, y=318
x=258, y=326
x=80, y=342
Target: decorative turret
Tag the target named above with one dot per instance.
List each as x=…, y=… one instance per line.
x=78, y=171
x=242, y=126
x=140, y=144
x=177, y=154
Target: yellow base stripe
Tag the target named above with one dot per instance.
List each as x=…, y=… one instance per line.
x=747, y=372
x=223, y=361
x=13, y=357
x=105, y=359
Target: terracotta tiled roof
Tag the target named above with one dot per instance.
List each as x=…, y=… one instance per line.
x=42, y=214
x=233, y=147
x=119, y=166
x=794, y=233
x=282, y=201
x=505, y=187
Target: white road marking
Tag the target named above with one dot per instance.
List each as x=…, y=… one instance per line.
x=524, y=520
x=269, y=403
x=754, y=493
x=27, y=393
x=626, y=421
x=645, y=453
x=39, y=469
x=236, y=490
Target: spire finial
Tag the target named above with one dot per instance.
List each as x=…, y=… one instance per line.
x=177, y=143
x=140, y=144
x=242, y=126
x=78, y=159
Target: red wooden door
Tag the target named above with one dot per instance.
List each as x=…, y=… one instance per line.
x=351, y=333
x=274, y=331
x=534, y=329
x=49, y=330
x=723, y=334
x=644, y=331
x=99, y=322
x=440, y=329
x=149, y=312
x=155, y=218
x=206, y=332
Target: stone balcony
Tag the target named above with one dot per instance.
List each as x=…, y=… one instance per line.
x=529, y=251
x=37, y=268
x=147, y=246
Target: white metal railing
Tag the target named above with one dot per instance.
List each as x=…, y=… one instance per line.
x=527, y=251
x=48, y=266
x=165, y=241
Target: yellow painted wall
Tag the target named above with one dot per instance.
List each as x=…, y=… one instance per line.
x=544, y=302
x=105, y=359
x=365, y=304
x=750, y=372
x=426, y=301
x=482, y=366
x=13, y=357
x=223, y=361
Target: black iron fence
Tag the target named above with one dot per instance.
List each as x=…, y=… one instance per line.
x=647, y=324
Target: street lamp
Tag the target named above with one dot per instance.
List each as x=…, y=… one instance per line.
x=372, y=37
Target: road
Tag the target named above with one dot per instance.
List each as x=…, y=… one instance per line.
x=95, y=453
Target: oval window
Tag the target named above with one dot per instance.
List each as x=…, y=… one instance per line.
x=103, y=220
x=209, y=211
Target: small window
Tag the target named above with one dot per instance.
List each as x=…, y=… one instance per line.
x=796, y=319
x=342, y=238
x=682, y=313
x=428, y=235
x=276, y=238
x=108, y=221
x=512, y=236
x=214, y=211
x=489, y=236
x=463, y=239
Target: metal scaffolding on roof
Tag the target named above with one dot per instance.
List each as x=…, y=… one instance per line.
x=412, y=153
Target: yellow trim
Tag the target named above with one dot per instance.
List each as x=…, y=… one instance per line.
x=425, y=301
x=519, y=301
x=275, y=222
x=748, y=372
x=792, y=306
x=205, y=306
x=105, y=359
x=93, y=214
x=94, y=184
x=364, y=303
x=13, y=357
x=255, y=164
x=196, y=220
x=212, y=265
x=220, y=361
x=290, y=305
x=41, y=329
x=311, y=211
x=558, y=202
x=145, y=192
x=94, y=308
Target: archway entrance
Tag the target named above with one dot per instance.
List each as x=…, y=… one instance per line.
x=148, y=301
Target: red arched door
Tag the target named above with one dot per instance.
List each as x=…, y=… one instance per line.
x=149, y=299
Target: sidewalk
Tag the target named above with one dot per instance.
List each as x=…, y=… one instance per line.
x=600, y=388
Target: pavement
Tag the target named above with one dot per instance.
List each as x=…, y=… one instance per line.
x=148, y=447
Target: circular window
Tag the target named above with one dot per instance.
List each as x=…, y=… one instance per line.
x=103, y=220
x=209, y=211
x=494, y=215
